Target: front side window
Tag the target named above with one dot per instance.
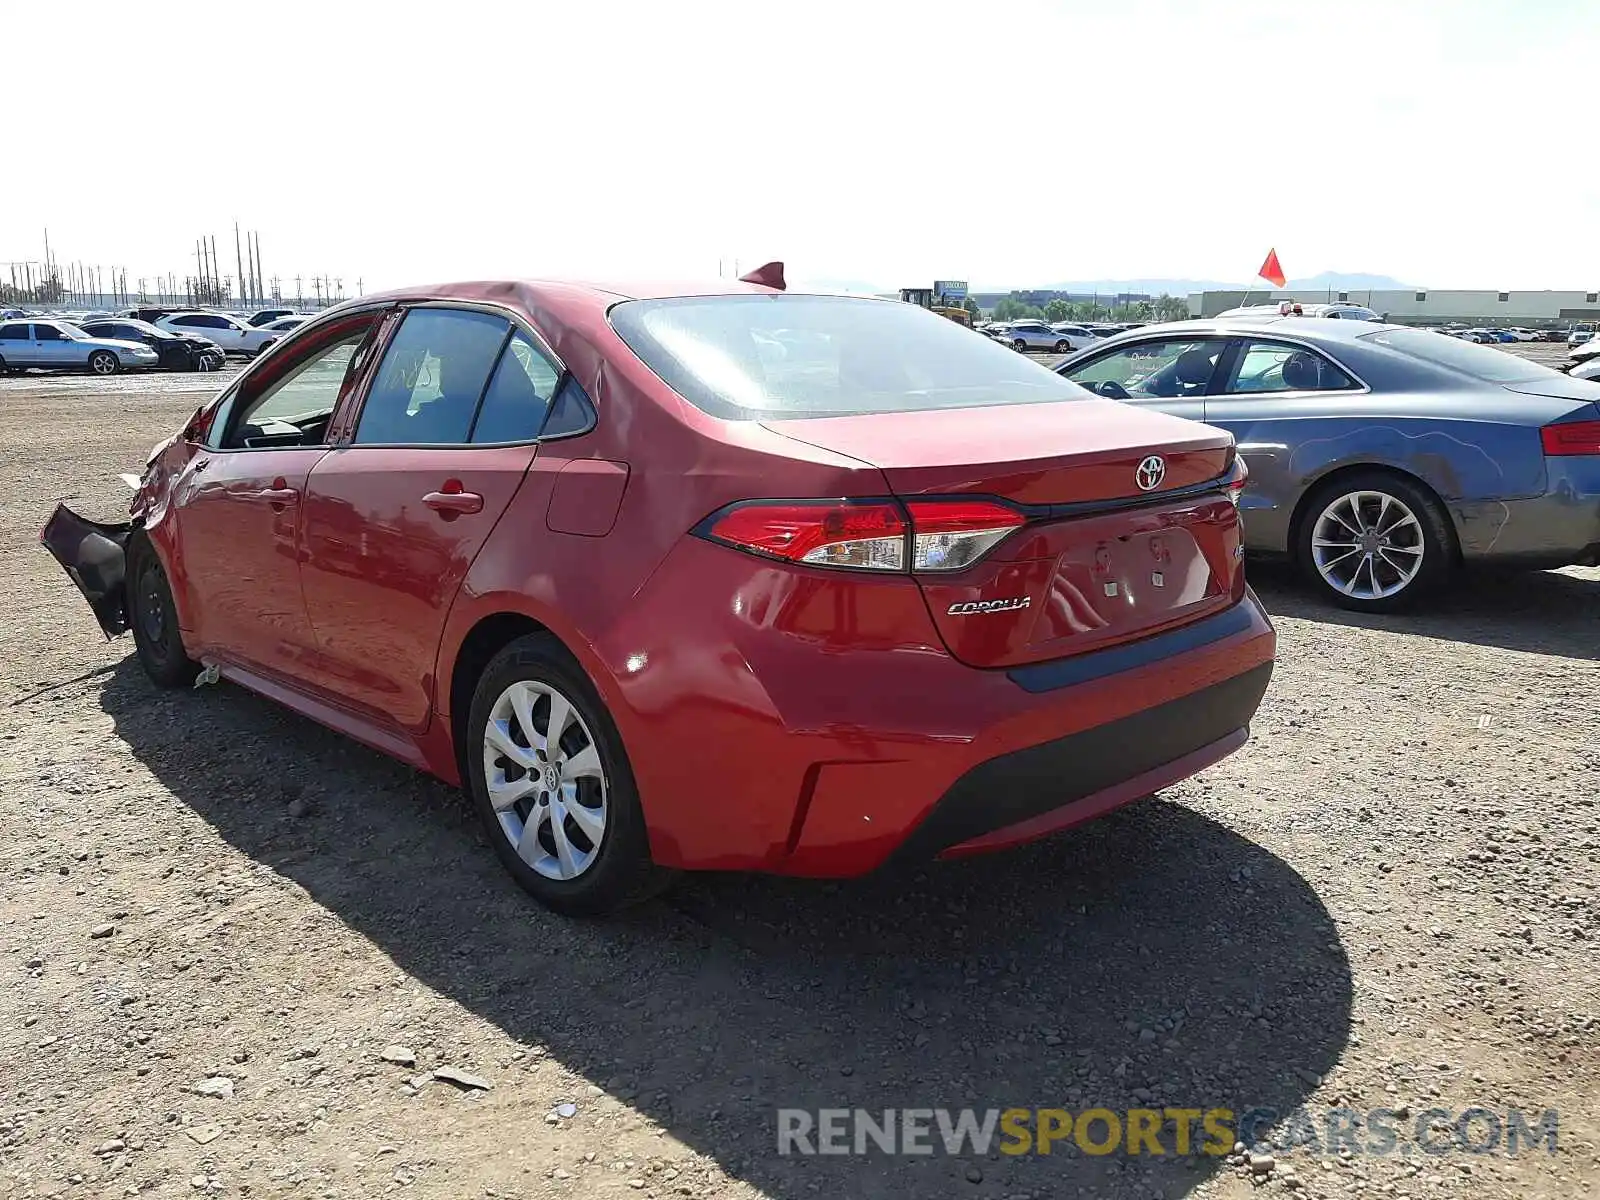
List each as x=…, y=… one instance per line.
x=1157, y=370
x=294, y=408
x=746, y=357
x=47, y=333
x=1277, y=367
x=431, y=377
x=518, y=395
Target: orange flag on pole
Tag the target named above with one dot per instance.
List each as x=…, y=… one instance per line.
x=1272, y=272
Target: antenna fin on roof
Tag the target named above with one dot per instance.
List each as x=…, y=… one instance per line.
x=767, y=275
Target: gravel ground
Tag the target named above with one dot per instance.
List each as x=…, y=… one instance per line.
x=220, y=926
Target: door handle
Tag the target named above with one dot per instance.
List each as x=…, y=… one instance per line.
x=451, y=503
x=279, y=497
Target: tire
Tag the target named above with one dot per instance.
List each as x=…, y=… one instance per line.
x=1020, y=346
x=1418, y=541
x=103, y=362
x=265, y=346
x=153, y=617
x=1063, y=346
x=581, y=872
x=4, y=370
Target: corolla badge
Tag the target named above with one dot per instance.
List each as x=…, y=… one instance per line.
x=969, y=607
x=1150, y=473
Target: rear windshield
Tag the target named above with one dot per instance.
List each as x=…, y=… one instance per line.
x=752, y=357
x=1469, y=358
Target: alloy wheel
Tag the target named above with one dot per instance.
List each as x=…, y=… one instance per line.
x=1368, y=545
x=545, y=779
x=103, y=364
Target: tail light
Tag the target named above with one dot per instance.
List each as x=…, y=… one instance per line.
x=871, y=535
x=1235, y=480
x=1571, y=437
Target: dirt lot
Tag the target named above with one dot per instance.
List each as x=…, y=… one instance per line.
x=1388, y=899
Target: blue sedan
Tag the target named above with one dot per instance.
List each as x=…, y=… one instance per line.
x=1381, y=458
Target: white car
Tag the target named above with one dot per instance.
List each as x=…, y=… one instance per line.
x=234, y=335
x=285, y=325
x=1029, y=334
x=1077, y=336
x=1293, y=308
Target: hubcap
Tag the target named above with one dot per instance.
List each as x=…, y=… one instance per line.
x=545, y=780
x=1368, y=545
x=152, y=609
x=104, y=365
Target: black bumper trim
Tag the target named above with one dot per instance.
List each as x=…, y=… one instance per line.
x=1065, y=672
x=1027, y=783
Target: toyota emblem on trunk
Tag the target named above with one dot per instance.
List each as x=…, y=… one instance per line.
x=1150, y=473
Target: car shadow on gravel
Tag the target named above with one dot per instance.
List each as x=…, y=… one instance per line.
x=1153, y=958
x=1541, y=612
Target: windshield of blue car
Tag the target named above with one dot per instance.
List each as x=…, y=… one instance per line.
x=1483, y=362
x=751, y=357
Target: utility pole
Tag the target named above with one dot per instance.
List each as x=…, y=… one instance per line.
x=261, y=287
x=299, y=293
x=238, y=256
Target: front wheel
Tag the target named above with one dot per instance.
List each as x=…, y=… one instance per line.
x=103, y=362
x=1375, y=542
x=553, y=786
x=154, y=618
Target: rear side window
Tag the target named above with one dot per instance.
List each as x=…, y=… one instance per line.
x=749, y=357
x=1278, y=367
x=519, y=394
x=13, y=333
x=431, y=377
x=1467, y=358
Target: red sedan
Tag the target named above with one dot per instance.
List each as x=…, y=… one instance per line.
x=704, y=578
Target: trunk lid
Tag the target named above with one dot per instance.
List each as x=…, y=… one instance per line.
x=1104, y=559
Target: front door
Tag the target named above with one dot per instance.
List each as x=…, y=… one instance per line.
x=52, y=348
x=394, y=519
x=238, y=517
x=240, y=500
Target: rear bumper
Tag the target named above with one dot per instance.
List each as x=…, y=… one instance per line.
x=1029, y=793
x=1558, y=529
x=843, y=734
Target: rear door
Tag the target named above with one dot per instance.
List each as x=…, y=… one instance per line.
x=396, y=514
x=16, y=344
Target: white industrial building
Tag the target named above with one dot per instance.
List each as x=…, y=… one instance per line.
x=1419, y=307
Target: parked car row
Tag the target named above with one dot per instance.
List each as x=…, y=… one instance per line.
x=171, y=339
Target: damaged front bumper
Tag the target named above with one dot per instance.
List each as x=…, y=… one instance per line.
x=95, y=558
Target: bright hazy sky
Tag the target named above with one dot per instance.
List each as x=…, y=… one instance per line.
x=1448, y=144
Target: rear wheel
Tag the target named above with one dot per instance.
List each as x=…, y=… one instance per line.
x=1063, y=346
x=154, y=618
x=1020, y=346
x=103, y=362
x=552, y=784
x=1375, y=542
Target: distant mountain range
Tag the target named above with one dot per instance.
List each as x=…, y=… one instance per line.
x=1327, y=280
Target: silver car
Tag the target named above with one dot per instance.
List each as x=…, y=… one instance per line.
x=1034, y=335
x=62, y=346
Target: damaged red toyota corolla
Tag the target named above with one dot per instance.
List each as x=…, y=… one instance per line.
x=700, y=578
